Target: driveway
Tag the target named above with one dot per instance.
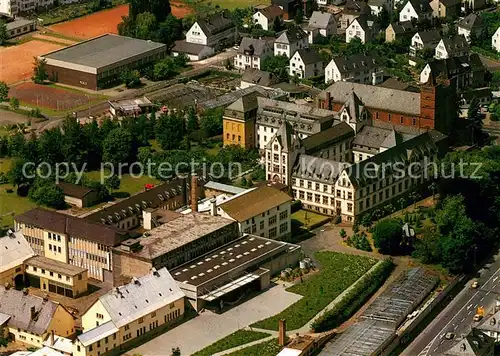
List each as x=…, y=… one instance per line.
x=208, y=327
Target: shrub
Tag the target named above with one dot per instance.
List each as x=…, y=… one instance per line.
x=296, y=206
x=387, y=236
x=354, y=299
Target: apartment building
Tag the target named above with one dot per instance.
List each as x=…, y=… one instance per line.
x=264, y=211
x=252, y=52
x=290, y=41
x=78, y=242
x=357, y=68
x=128, y=314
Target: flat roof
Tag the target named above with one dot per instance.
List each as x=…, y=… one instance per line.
x=224, y=259
x=55, y=266
x=103, y=51
x=18, y=23
x=178, y=232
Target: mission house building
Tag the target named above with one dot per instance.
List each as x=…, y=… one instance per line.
x=354, y=127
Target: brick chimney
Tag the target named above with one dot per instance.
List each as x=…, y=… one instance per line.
x=194, y=193
x=282, y=332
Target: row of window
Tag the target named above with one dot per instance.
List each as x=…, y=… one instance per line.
x=319, y=199
x=54, y=237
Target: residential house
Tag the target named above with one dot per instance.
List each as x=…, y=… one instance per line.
x=455, y=46
x=362, y=28
x=471, y=24
x=495, y=40
x=30, y=319
x=358, y=68
x=321, y=23
x=447, y=9
x=377, y=6
x=266, y=17
x=78, y=195
x=263, y=211
x=475, y=343
x=19, y=27
x=14, y=250
x=254, y=76
x=252, y=52
x=419, y=10
x=289, y=7
x=290, y=41
x=424, y=41
x=352, y=10
x=306, y=63
x=131, y=313
x=216, y=31
x=400, y=31
x=194, y=51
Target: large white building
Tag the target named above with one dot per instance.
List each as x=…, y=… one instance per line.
x=361, y=27
x=214, y=31
x=418, y=10
x=455, y=46
x=306, y=63
x=358, y=68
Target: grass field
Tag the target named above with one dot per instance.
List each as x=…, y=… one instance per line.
x=5, y=165
x=268, y=348
x=128, y=184
x=232, y=4
x=338, y=272
x=237, y=338
x=308, y=218
x=12, y=203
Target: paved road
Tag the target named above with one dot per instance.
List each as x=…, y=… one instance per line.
x=457, y=316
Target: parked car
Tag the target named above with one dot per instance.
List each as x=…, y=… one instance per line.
x=449, y=336
x=475, y=285
x=477, y=317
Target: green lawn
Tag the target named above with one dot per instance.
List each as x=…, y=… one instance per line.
x=338, y=272
x=11, y=202
x=237, y=338
x=128, y=184
x=308, y=218
x=5, y=165
x=232, y=4
x=268, y=348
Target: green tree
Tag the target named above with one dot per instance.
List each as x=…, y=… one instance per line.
x=277, y=25
x=45, y=192
x=3, y=32
x=73, y=145
x=169, y=131
x=211, y=122
x=4, y=91
x=113, y=182
x=299, y=17
x=117, y=146
x=145, y=25
x=39, y=70
x=383, y=18
x=126, y=27
x=277, y=65
x=387, y=236
x=164, y=69
x=17, y=145
x=131, y=78
x=21, y=173
x=176, y=351
x=475, y=118
x=169, y=31
x=14, y=103
x=191, y=120
x=159, y=8
x=355, y=46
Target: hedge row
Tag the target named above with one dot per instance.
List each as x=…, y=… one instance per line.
x=354, y=299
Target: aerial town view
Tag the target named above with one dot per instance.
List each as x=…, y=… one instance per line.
x=249, y=177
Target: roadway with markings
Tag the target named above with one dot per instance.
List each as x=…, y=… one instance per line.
x=458, y=316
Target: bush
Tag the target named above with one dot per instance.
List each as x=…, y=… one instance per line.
x=296, y=206
x=354, y=299
x=360, y=242
x=387, y=236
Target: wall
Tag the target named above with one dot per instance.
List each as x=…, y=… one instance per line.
x=56, y=246
x=26, y=337
x=8, y=276
x=90, y=318
x=63, y=323
x=315, y=196
x=239, y=133
x=73, y=201
x=127, y=265
x=90, y=255
x=78, y=286
x=72, y=77
x=34, y=236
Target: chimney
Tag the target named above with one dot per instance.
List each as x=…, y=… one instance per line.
x=328, y=100
x=51, y=338
x=282, y=332
x=33, y=313
x=146, y=219
x=213, y=207
x=194, y=193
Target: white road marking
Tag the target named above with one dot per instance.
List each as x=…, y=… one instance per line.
x=475, y=306
x=455, y=328
x=462, y=320
x=441, y=342
x=494, y=279
x=469, y=312
x=481, y=299
x=470, y=306
x=488, y=293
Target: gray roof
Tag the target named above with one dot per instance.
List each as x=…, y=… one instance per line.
x=451, y=67
x=430, y=37
x=476, y=343
x=471, y=21
x=14, y=250
x=183, y=46
x=141, y=297
x=356, y=62
x=213, y=24
x=317, y=169
x=104, y=50
x=286, y=137
x=420, y=6
x=364, y=22
x=98, y=333
x=18, y=23
x=320, y=19
x=356, y=7
x=491, y=323
x=245, y=103
x=339, y=131
x=309, y=56
x=403, y=27
x=226, y=188
x=259, y=77
x=255, y=46
x=373, y=97
x=455, y=42
x=229, y=98
x=55, y=266
x=18, y=305
x=292, y=35
x=375, y=137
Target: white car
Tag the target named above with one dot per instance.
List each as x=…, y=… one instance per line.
x=475, y=285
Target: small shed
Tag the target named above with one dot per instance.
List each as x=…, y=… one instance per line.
x=78, y=195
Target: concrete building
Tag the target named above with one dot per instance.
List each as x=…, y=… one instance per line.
x=490, y=325
x=170, y=240
x=225, y=274
x=147, y=306
x=75, y=241
x=78, y=64
x=455, y=46
x=14, y=250
x=56, y=277
x=213, y=189
x=217, y=31
x=19, y=26
x=362, y=28
x=357, y=68
x=78, y=195
x=264, y=211
x=252, y=52
x=30, y=319
x=418, y=10
x=290, y=41
x=495, y=40
x=266, y=17
x=306, y=63
x=400, y=31
x=471, y=24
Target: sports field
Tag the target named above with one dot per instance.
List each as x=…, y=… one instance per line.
x=16, y=62
x=106, y=21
